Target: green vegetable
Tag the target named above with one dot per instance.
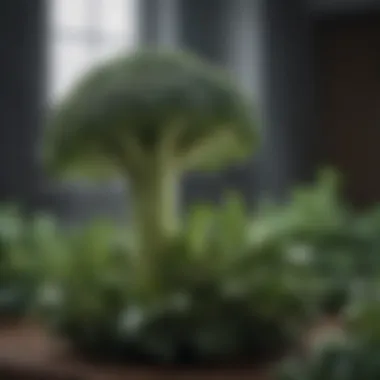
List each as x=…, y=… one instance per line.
x=149, y=117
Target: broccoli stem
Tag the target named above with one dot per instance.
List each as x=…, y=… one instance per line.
x=155, y=214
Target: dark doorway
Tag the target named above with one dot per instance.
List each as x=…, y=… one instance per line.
x=348, y=66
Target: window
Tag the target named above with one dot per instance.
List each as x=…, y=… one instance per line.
x=83, y=32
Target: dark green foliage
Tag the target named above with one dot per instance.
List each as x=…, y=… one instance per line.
x=357, y=355
x=332, y=363
x=14, y=290
x=355, y=360
x=367, y=228
x=316, y=225
x=226, y=289
x=221, y=290
x=335, y=301
x=206, y=305
x=23, y=244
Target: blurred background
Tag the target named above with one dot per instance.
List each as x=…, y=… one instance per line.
x=310, y=67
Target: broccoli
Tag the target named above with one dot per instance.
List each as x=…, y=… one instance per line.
x=149, y=117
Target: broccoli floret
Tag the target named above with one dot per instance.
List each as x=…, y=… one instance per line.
x=149, y=117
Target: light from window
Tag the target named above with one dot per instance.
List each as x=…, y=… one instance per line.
x=112, y=19
x=69, y=14
x=83, y=32
x=69, y=61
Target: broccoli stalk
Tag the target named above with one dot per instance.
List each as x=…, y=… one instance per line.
x=150, y=117
x=155, y=203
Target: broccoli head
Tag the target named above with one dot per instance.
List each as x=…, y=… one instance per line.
x=150, y=116
x=131, y=109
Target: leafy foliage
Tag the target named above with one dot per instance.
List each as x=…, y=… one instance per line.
x=314, y=215
x=23, y=244
x=205, y=304
x=367, y=228
x=353, y=358
x=356, y=355
x=317, y=226
x=85, y=282
x=12, y=283
x=225, y=289
x=332, y=363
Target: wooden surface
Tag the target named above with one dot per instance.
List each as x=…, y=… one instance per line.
x=29, y=353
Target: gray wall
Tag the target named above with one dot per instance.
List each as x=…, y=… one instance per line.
x=21, y=78
x=290, y=143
